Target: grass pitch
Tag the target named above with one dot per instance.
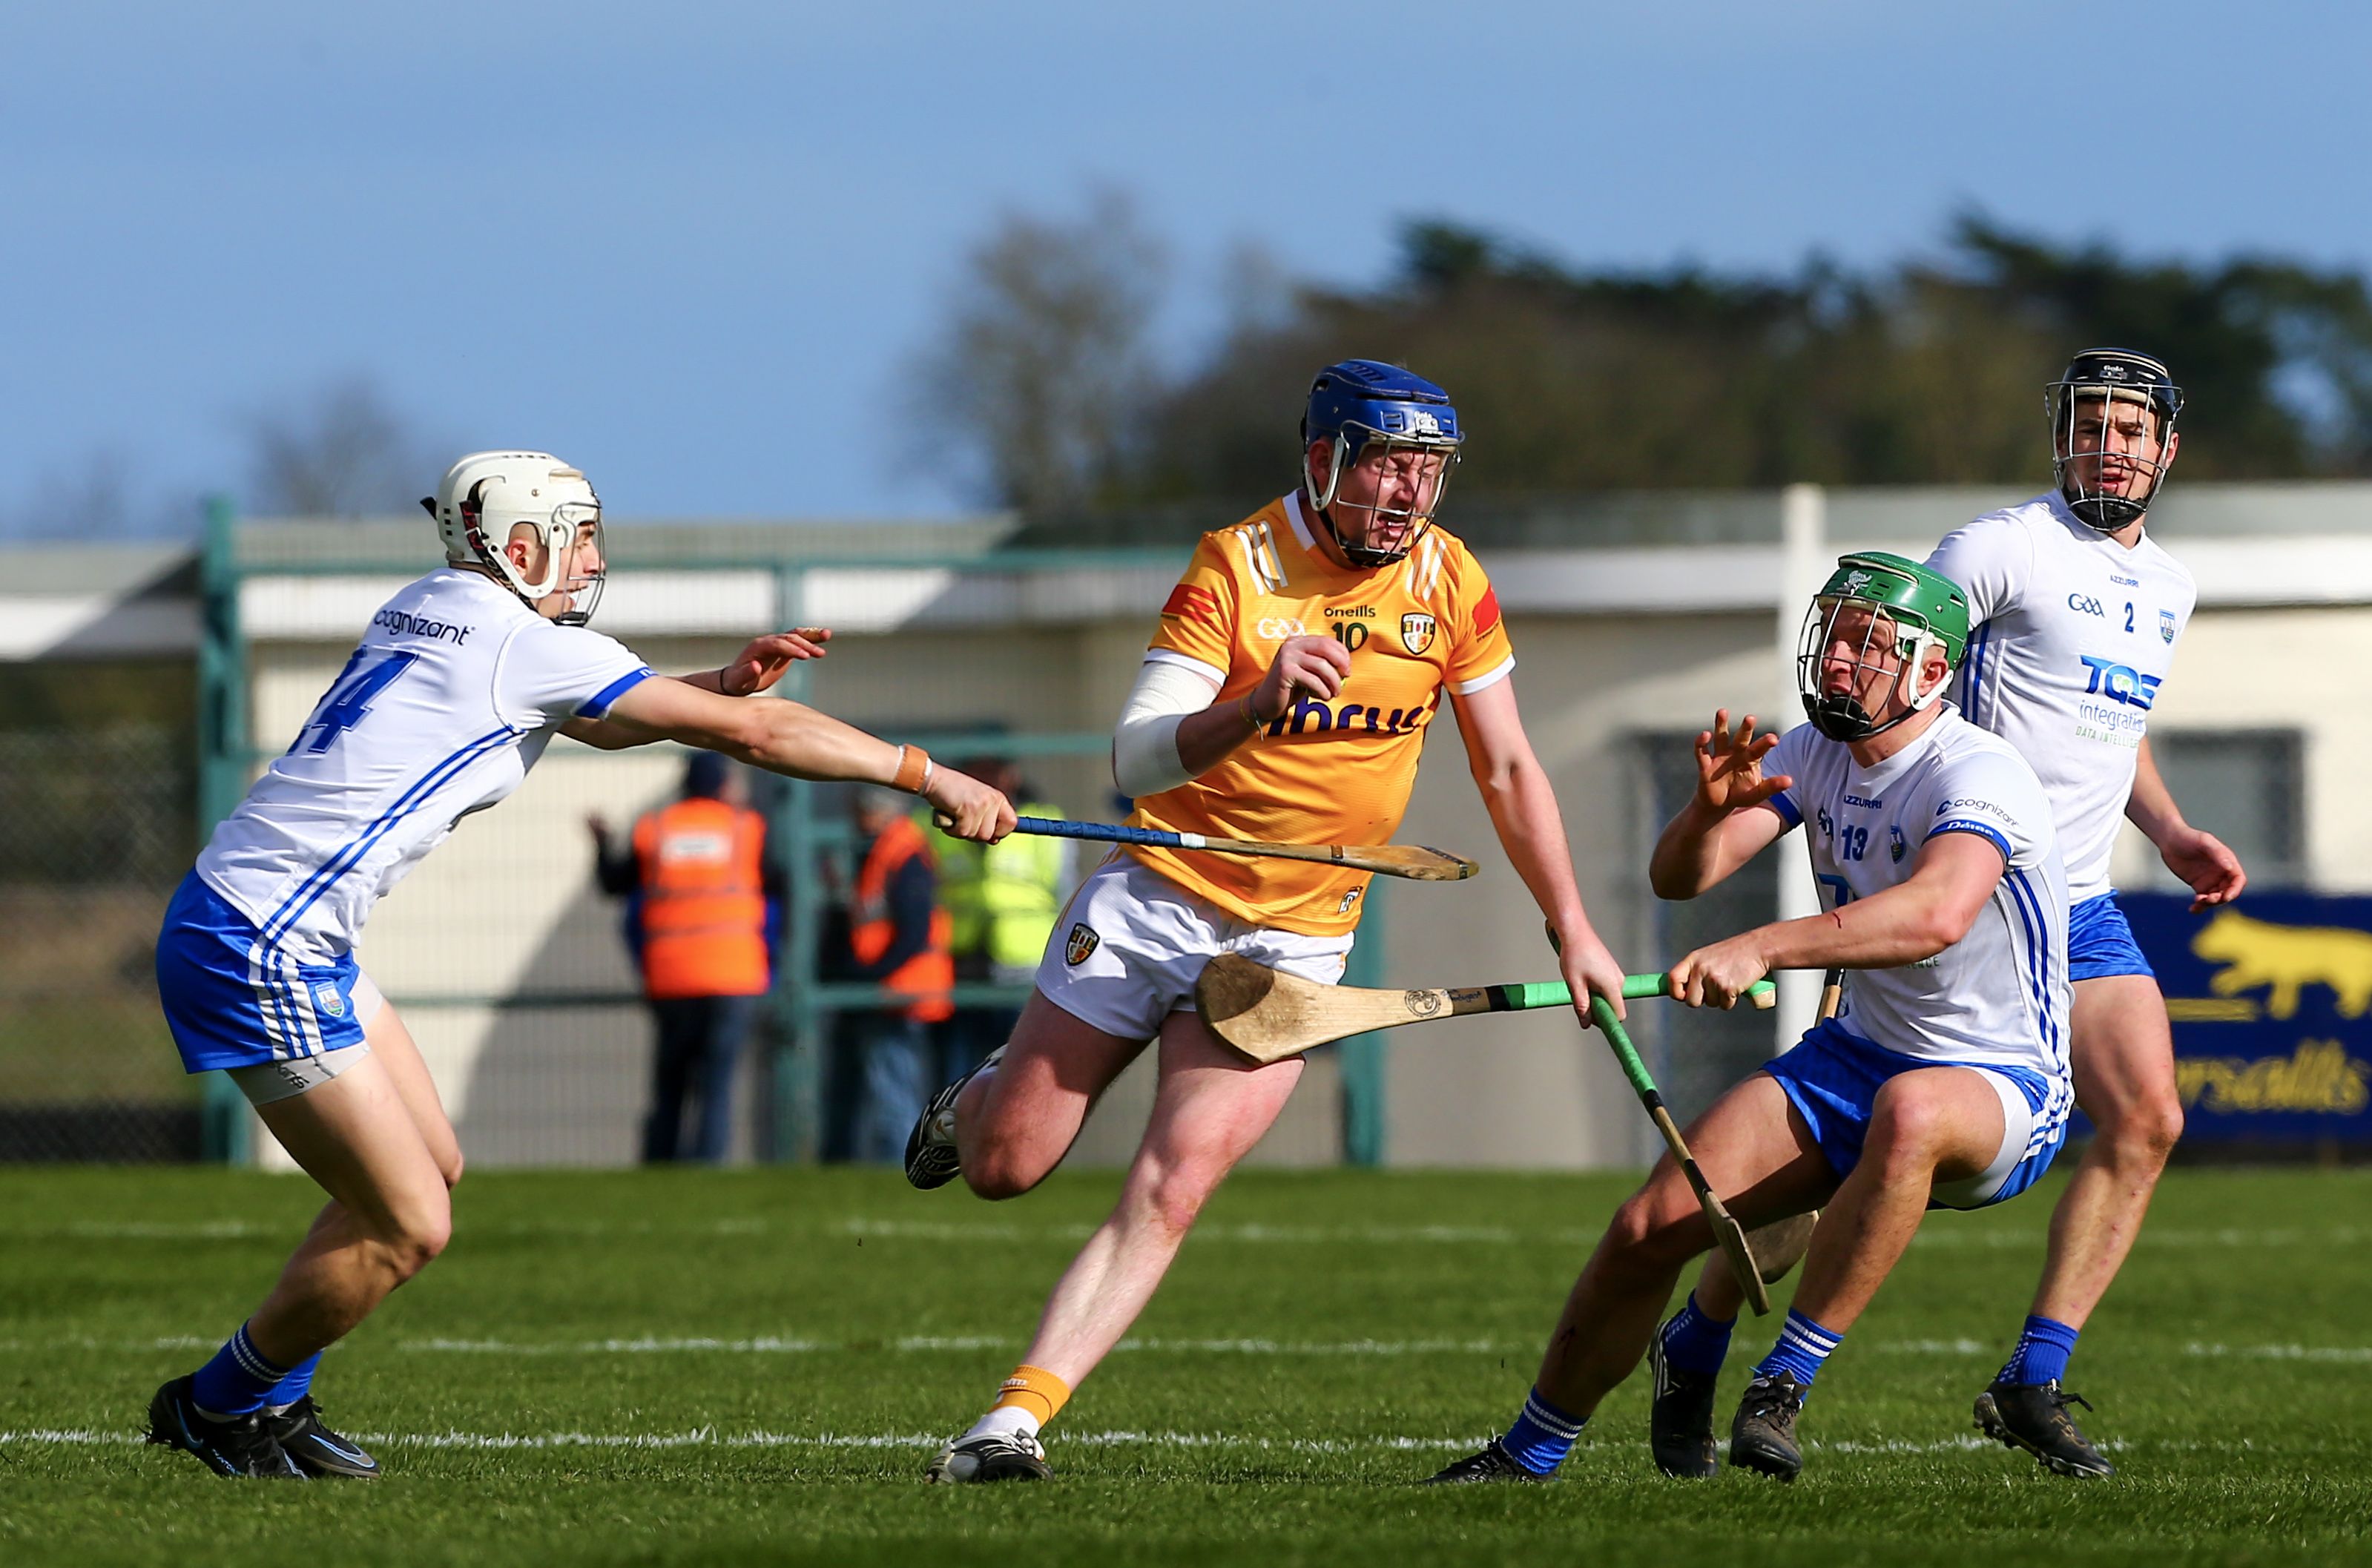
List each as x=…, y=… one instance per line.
x=695, y=1367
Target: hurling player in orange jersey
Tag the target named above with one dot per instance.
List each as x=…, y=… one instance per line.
x=1297, y=667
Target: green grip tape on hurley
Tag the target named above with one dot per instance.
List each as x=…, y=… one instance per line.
x=1601, y=1013
x=1636, y=988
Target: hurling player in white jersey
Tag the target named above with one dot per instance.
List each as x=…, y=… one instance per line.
x=2076, y=612
x=459, y=684
x=1942, y=1082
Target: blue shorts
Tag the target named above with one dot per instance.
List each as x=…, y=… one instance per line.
x=233, y=1003
x=2099, y=943
x=1832, y=1078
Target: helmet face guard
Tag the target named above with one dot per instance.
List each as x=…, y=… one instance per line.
x=1877, y=615
x=1370, y=413
x=1424, y=466
x=2108, y=479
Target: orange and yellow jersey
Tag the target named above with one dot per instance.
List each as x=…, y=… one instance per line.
x=1326, y=773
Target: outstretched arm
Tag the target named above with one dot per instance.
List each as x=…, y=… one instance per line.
x=2209, y=869
x=754, y=670
x=790, y=737
x=1716, y=831
x=1918, y=919
x=1515, y=790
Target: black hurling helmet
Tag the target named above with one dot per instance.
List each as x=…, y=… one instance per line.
x=2109, y=376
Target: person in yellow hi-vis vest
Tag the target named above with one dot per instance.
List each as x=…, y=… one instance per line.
x=1001, y=906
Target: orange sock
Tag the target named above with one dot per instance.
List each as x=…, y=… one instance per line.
x=1034, y=1391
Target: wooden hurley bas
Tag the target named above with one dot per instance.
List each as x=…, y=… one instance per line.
x=1269, y=1015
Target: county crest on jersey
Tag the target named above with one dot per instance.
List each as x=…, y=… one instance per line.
x=1328, y=772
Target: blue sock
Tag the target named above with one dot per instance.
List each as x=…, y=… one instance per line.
x=1542, y=1436
x=2041, y=1353
x=236, y=1380
x=1803, y=1345
x=295, y=1385
x=1695, y=1342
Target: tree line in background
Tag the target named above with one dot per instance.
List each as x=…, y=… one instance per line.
x=1573, y=379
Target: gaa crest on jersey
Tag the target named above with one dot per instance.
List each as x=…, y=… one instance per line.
x=1082, y=942
x=2166, y=626
x=1416, y=631
x=327, y=1000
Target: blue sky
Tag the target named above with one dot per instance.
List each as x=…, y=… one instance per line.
x=689, y=247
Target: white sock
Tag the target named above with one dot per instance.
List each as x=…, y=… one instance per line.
x=1003, y=1421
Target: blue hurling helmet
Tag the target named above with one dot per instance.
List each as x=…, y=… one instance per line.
x=1360, y=401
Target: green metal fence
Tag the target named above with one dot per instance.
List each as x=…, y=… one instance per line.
x=805, y=835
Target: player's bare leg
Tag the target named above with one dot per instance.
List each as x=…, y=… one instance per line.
x=1930, y=1125
x=293, y=1417
x=388, y=1215
x=1758, y=1156
x=1018, y=1115
x=389, y=1218
x=1211, y=1108
x=2123, y=1064
x=1757, y=1153
x=2123, y=1061
x=391, y=1043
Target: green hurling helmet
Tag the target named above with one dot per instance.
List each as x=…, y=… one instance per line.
x=1904, y=608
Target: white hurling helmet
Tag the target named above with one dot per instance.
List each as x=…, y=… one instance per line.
x=485, y=494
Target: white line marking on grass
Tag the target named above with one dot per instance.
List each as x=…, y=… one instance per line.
x=709, y=1438
x=2283, y=1353
x=1947, y=1238
x=648, y=1345
x=779, y=1345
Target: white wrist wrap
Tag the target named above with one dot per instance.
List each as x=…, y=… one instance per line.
x=1144, y=744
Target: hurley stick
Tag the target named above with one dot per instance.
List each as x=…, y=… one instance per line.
x=1412, y=860
x=1727, y=1234
x=1269, y=1016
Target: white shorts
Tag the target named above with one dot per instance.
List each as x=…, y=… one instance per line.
x=1131, y=944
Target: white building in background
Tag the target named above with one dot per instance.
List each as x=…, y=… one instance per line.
x=1632, y=618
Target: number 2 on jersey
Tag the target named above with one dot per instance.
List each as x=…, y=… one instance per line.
x=349, y=698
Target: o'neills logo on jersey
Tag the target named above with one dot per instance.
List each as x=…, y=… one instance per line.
x=1416, y=631
x=1082, y=942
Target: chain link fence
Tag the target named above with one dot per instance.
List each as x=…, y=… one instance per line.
x=95, y=833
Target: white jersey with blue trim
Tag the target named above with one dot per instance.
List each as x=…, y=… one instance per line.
x=448, y=700
x=1998, y=997
x=2071, y=636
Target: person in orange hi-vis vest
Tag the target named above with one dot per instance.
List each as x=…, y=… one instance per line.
x=702, y=916
x=1291, y=677
x=899, y=936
